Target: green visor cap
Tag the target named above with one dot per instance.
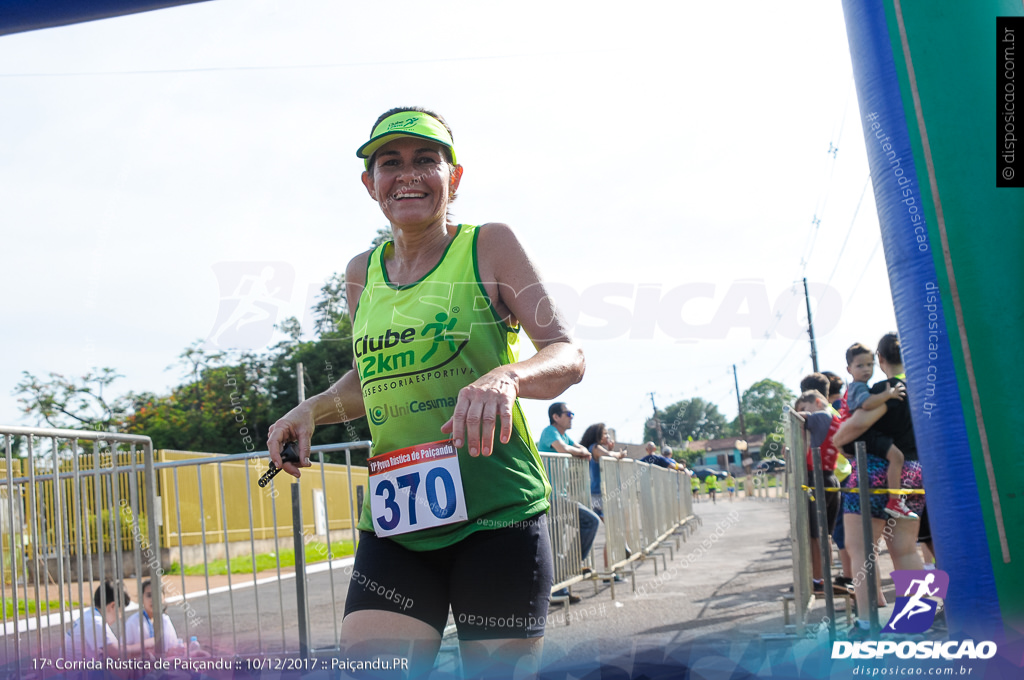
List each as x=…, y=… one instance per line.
x=406, y=124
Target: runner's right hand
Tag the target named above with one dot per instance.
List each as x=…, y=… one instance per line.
x=295, y=426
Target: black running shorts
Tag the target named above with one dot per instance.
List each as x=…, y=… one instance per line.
x=496, y=581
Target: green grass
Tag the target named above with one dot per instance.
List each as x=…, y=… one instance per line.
x=315, y=552
x=51, y=607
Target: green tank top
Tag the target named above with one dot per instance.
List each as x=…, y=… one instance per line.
x=416, y=346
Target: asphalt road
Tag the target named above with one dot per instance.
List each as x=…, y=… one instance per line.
x=721, y=591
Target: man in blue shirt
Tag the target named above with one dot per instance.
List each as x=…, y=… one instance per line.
x=553, y=439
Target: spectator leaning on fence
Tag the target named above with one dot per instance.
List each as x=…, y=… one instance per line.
x=664, y=459
x=599, y=443
x=821, y=422
x=555, y=439
x=459, y=361
x=835, y=398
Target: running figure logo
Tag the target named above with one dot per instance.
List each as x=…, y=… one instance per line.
x=251, y=296
x=442, y=333
x=914, y=611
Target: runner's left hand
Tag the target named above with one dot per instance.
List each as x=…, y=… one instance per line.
x=478, y=409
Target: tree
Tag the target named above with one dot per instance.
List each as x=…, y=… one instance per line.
x=324, y=362
x=225, y=408
x=72, y=403
x=384, y=234
x=687, y=420
x=762, y=406
x=227, y=401
x=331, y=307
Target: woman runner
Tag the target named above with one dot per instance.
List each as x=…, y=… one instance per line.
x=436, y=315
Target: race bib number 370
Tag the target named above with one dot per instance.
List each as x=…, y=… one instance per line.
x=419, y=487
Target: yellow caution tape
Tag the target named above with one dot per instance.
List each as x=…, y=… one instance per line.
x=895, y=492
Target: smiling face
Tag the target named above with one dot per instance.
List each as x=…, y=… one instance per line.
x=862, y=367
x=412, y=181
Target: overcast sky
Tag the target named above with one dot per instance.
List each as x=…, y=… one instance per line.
x=190, y=174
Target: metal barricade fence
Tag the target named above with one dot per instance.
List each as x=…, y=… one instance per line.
x=268, y=522
x=645, y=493
x=630, y=478
x=104, y=519
x=643, y=505
x=799, y=523
x=570, y=487
x=72, y=516
x=666, y=506
x=650, y=504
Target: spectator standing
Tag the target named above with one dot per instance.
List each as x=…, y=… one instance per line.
x=861, y=365
x=664, y=459
x=599, y=444
x=821, y=423
x=555, y=439
x=597, y=440
x=835, y=389
x=835, y=398
x=892, y=419
x=815, y=381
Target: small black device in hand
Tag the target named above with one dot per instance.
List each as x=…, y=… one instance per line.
x=289, y=454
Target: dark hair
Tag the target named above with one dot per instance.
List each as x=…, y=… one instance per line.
x=855, y=350
x=555, y=410
x=592, y=435
x=835, y=383
x=105, y=594
x=889, y=348
x=814, y=381
x=808, y=396
x=419, y=109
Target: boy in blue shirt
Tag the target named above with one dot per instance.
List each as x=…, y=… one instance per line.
x=860, y=363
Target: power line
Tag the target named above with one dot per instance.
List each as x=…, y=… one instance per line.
x=839, y=258
x=867, y=264
x=296, y=67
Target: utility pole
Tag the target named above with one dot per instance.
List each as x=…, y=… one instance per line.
x=810, y=328
x=739, y=403
x=657, y=423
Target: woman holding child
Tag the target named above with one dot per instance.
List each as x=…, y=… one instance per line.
x=891, y=420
